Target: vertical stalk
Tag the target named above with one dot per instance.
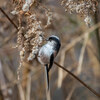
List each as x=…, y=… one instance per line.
x=97, y=16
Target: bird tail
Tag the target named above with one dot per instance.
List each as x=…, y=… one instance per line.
x=47, y=76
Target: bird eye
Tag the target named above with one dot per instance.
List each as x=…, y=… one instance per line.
x=50, y=39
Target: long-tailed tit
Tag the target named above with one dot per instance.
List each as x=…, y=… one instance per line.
x=48, y=52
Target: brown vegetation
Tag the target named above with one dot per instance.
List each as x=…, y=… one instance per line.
x=25, y=24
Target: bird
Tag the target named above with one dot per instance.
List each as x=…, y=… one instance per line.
x=47, y=54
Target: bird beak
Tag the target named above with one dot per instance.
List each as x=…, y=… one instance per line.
x=47, y=39
x=44, y=38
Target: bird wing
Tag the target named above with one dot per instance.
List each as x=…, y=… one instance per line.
x=51, y=62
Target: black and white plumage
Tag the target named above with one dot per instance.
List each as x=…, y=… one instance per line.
x=48, y=52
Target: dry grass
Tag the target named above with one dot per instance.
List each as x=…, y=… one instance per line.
x=34, y=22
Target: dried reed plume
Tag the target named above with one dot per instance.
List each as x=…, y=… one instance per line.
x=30, y=36
x=81, y=7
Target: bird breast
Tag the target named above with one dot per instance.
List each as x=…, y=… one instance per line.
x=45, y=54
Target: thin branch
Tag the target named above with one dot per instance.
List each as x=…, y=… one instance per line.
x=28, y=91
x=21, y=92
x=92, y=90
x=91, y=48
x=70, y=93
x=60, y=72
x=8, y=18
x=79, y=69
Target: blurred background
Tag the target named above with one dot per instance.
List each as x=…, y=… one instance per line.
x=79, y=53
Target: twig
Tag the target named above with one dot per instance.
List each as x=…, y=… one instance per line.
x=70, y=93
x=82, y=54
x=8, y=18
x=91, y=48
x=28, y=91
x=48, y=95
x=21, y=92
x=60, y=72
x=92, y=90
